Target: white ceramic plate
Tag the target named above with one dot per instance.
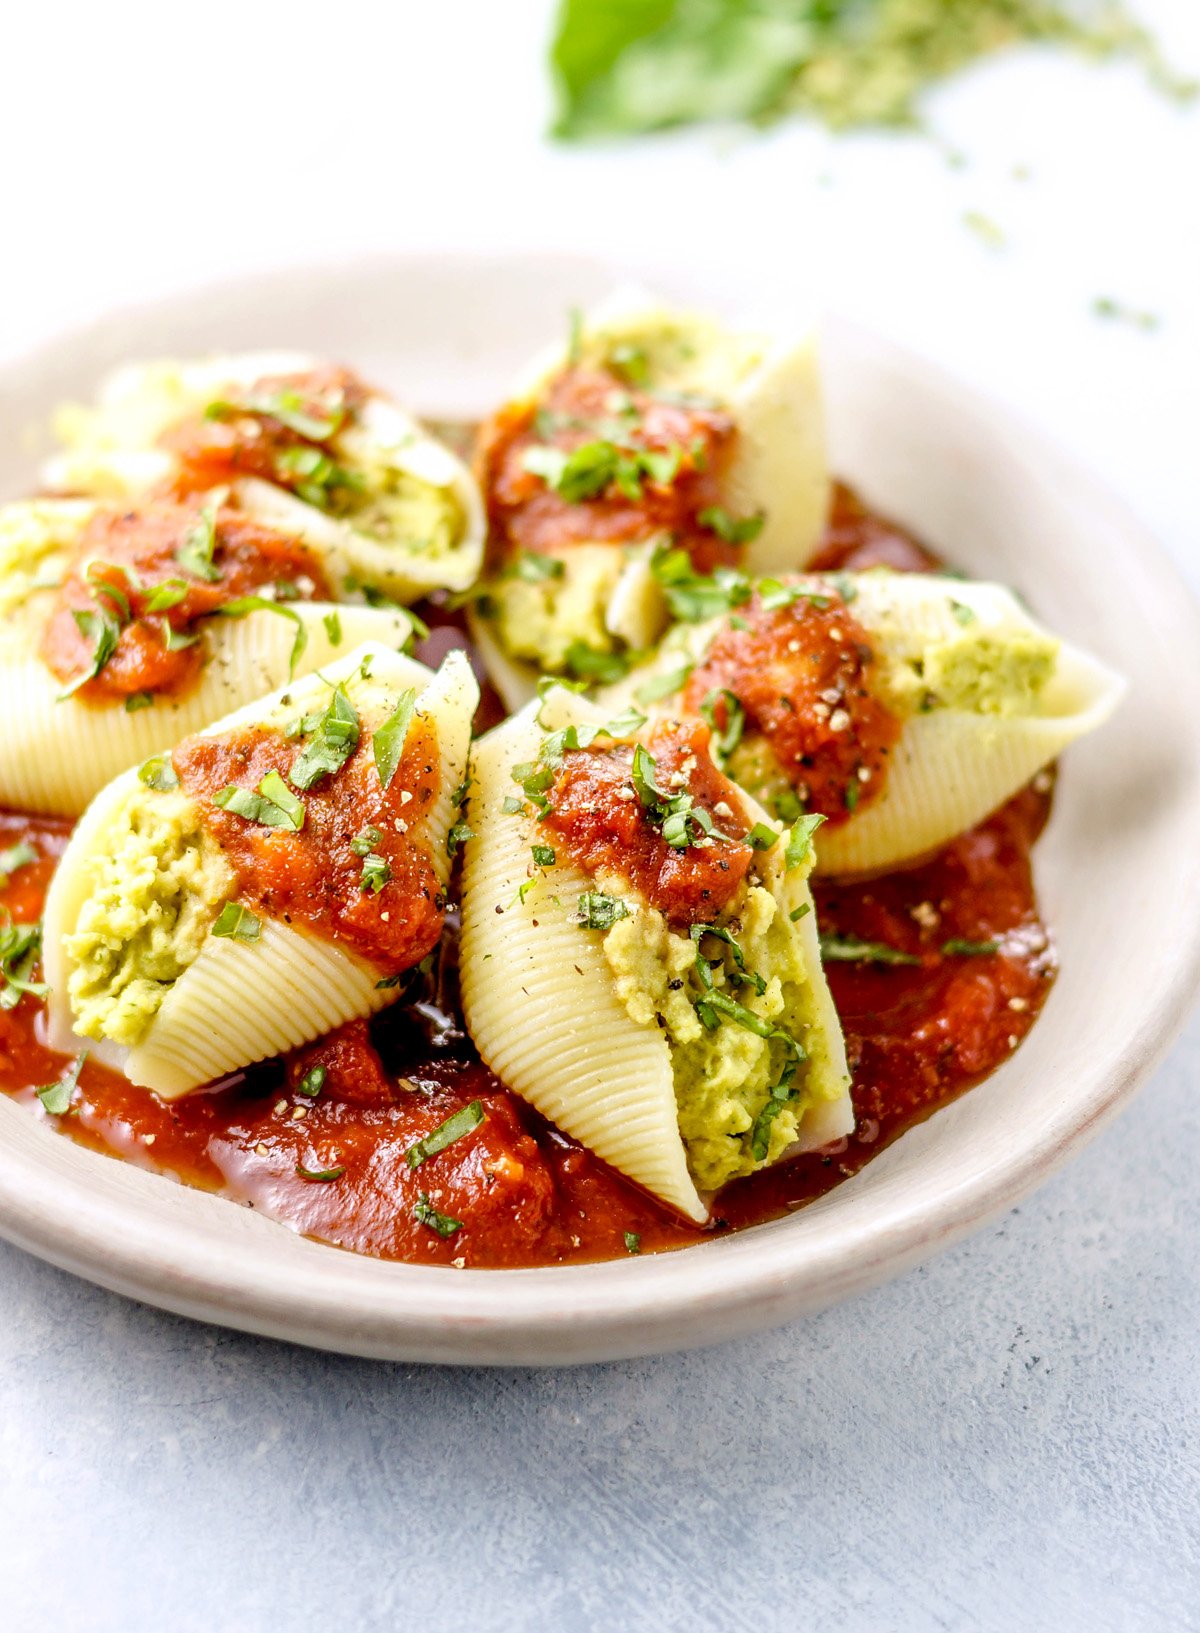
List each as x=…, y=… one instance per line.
x=1118, y=870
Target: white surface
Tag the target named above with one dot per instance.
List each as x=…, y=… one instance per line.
x=903, y=1462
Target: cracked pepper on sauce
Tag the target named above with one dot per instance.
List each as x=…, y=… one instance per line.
x=977, y=965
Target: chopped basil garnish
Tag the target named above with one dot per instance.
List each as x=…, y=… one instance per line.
x=333, y=628
x=535, y=569
x=57, y=1097
x=588, y=470
x=761, y=837
x=158, y=773
x=104, y=633
x=800, y=845
x=315, y=476
x=512, y=805
x=664, y=685
x=600, y=912
x=782, y=1094
x=333, y=739
x=850, y=950
x=797, y=913
x=585, y=663
x=733, y=529
x=166, y=595
x=631, y=362
x=313, y=1081
x=376, y=873
x=633, y=1242
x=454, y=1128
x=175, y=640
x=288, y=407
x=958, y=948
x=724, y=738
x=273, y=806
x=683, y=822
x=388, y=743
x=139, y=700
x=739, y=973
x=543, y=855
x=426, y=1214
x=237, y=923
x=365, y=842
x=458, y=835
x=242, y=606
x=320, y=1175
x=195, y=554
x=16, y=856
x=20, y=945
x=692, y=596
x=850, y=796
x=963, y=614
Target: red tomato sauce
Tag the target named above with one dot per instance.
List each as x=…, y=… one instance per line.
x=597, y=818
x=314, y=877
x=125, y=557
x=802, y=674
x=585, y=406
x=239, y=435
x=516, y=1191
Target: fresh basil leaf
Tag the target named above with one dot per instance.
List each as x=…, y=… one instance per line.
x=852, y=950
x=733, y=529
x=597, y=911
x=454, y=1128
x=388, y=742
x=321, y=1176
x=242, y=606
x=800, y=841
x=158, y=773
x=958, y=948
x=426, y=1214
x=365, y=842
x=237, y=923
x=313, y=1081
x=57, y=1097
x=376, y=872
x=332, y=741
x=667, y=685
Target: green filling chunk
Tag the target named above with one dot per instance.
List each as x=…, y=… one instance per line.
x=153, y=895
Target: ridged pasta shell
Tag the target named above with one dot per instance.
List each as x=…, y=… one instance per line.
x=110, y=451
x=242, y=1001
x=951, y=766
x=540, y=999
x=55, y=755
x=769, y=383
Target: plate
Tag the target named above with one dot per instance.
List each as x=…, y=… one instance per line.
x=1118, y=869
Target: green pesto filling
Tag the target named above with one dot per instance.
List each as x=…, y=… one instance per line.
x=394, y=507
x=542, y=620
x=724, y=1076
x=155, y=891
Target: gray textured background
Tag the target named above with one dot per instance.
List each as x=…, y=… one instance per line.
x=1007, y=1439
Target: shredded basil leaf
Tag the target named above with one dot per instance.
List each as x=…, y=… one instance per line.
x=633, y=1242
x=243, y=606
x=365, y=842
x=733, y=529
x=313, y=1081
x=57, y=1097
x=333, y=627
x=535, y=569
x=195, y=554
x=333, y=740
x=850, y=950
x=169, y=593
x=661, y=686
x=454, y=1128
x=376, y=872
x=273, y=806
x=320, y=1175
x=237, y=923
x=800, y=841
x=724, y=738
x=426, y=1214
x=104, y=633
x=543, y=855
x=458, y=835
x=158, y=773
x=139, y=700
x=958, y=948
x=16, y=856
x=20, y=947
x=600, y=912
x=388, y=742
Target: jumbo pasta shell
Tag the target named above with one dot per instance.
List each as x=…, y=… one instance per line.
x=542, y=1006
x=769, y=382
x=57, y=752
x=952, y=765
x=237, y=1002
x=110, y=450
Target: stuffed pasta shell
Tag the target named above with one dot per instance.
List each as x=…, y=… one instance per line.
x=639, y=957
x=398, y=509
x=901, y=708
x=271, y=878
x=656, y=426
x=122, y=630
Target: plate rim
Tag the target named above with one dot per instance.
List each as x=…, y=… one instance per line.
x=617, y=1309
